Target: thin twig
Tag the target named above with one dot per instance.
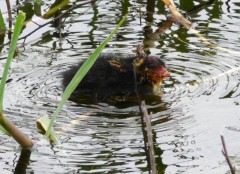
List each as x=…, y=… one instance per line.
x=9, y=14
x=151, y=152
x=177, y=15
x=142, y=120
x=9, y=19
x=225, y=153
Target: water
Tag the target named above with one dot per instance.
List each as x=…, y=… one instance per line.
x=198, y=103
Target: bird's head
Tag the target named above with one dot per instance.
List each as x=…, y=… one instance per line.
x=151, y=69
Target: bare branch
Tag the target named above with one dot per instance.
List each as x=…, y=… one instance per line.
x=9, y=14
x=9, y=19
x=151, y=152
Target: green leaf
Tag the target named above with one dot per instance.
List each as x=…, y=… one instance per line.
x=2, y=23
x=56, y=8
x=4, y=131
x=42, y=124
x=13, y=45
x=80, y=74
x=1, y=127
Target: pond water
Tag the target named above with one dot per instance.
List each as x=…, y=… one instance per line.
x=199, y=102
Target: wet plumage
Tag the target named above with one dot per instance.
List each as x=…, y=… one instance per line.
x=113, y=76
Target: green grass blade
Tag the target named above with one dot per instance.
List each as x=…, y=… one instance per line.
x=17, y=30
x=13, y=45
x=16, y=33
x=2, y=23
x=81, y=73
x=4, y=131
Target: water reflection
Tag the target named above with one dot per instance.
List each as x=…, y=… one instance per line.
x=23, y=161
x=198, y=103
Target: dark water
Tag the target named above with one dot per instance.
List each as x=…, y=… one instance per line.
x=198, y=103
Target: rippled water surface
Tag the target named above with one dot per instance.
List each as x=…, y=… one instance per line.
x=199, y=102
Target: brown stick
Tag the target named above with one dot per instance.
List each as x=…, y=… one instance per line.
x=225, y=153
x=9, y=19
x=172, y=7
x=170, y=4
x=151, y=152
x=16, y=133
x=9, y=14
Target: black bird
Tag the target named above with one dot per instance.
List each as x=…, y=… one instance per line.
x=113, y=76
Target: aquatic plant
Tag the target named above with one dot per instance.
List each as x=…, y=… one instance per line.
x=2, y=23
x=5, y=124
x=73, y=84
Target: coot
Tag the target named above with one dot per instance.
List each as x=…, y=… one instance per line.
x=117, y=76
